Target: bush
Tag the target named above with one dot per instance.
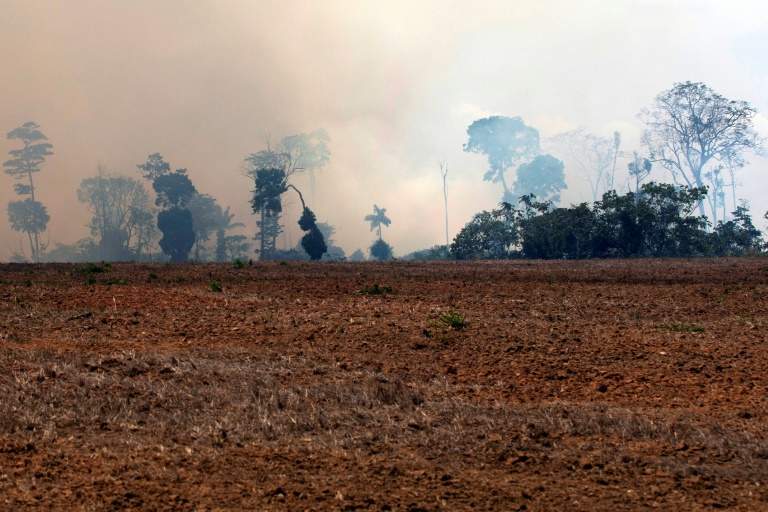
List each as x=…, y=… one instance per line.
x=381, y=250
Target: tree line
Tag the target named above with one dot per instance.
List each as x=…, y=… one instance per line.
x=698, y=137
x=658, y=220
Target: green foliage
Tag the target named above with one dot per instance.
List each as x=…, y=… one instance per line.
x=490, y=235
x=376, y=290
x=93, y=268
x=238, y=263
x=738, y=236
x=657, y=221
x=215, y=286
x=437, y=252
x=453, y=319
x=381, y=250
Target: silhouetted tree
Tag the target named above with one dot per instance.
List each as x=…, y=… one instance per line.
x=122, y=221
x=381, y=250
x=738, y=236
x=313, y=240
x=267, y=203
x=639, y=169
x=229, y=247
x=174, y=192
x=506, y=141
x=544, y=177
x=377, y=219
x=689, y=128
x=28, y=215
x=178, y=233
x=206, y=217
x=358, y=255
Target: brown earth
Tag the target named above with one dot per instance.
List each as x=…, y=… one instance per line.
x=597, y=385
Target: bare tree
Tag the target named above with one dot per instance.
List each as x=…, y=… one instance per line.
x=594, y=156
x=444, y=174
x=690, y=129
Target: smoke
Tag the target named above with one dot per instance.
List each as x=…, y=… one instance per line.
x=395, y=84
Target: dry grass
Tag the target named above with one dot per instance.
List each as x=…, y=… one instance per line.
x=213, y=399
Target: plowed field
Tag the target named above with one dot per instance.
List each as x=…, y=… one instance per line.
x=596, y=385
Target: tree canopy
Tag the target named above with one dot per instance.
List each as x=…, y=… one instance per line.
x=377, y=219
x=544, y=177
x=691, y=128
x=29, y=215
x=506, y=142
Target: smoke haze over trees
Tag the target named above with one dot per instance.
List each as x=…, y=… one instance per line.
x=110, y=82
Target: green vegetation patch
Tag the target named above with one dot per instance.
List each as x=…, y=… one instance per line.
x=376, y=289
x=453, y=319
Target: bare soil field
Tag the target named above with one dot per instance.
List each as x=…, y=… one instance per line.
x=593, y=385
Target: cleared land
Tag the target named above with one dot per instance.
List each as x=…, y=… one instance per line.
x=598, y=385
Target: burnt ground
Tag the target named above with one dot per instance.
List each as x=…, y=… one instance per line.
x=593, y=385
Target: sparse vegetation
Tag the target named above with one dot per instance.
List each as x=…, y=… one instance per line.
x=376, y=289
x=93, y=268
x=290, y=374
x=215, y=286
x=453, y=319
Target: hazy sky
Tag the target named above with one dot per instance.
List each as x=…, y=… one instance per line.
x=394, y=83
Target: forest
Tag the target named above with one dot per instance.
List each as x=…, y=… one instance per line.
x=692, y=134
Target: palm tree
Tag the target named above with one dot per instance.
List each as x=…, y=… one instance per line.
x=377, y=218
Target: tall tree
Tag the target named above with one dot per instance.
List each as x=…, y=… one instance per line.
x=544, y=177
x=639, y=169
x=377, y=219
x=271, y=184
x=28, y=215
x=174, y=192
x=206, y=218
x=689, y=128
x=507, y=142
x=292, y=155
x=122, y=220
x=229, y=247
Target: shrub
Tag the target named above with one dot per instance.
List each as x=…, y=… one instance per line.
x=381, y=250
x=453, y=319
x=376, y=290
